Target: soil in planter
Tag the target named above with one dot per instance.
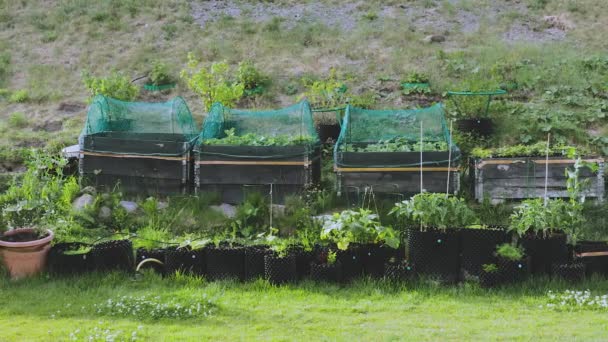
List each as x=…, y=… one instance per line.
x=489, y=279
x=572, y=272
x=70, y=258
x=545, y=251
x=477, y=126
x=398, y=271
x=436, y=253
x=24, y=237
x=226, y=262
x=352, y=262
x=374, y=259
x=158, y=253
x=254, y=261
x=478, y=247
x=185, y=260
x=280, y=270
x=322, y=272
x=114, y=255
x=512, y=271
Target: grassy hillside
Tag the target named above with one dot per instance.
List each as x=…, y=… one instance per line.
x=550, y=54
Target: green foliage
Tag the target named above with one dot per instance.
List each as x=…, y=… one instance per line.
x=398, y=144
x=524, y=150
x=17, y=120
x=370, y=15
x=19, y=96
x=150, y=237
x=252, y=139
x=489, y=268
x=435, y=211
x=252, y=216
x=213, y=84
x=331, y=257
x=416, y=77
x=116, y=86
x=160, y=75
x=5, y=66
x=253, y=80
x=359, y=226
x=531, y=216
x=328, y=93
x=509, y=251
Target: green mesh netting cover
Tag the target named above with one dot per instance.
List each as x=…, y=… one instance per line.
x=395, y=130
x=292, y=121
x=137, y=121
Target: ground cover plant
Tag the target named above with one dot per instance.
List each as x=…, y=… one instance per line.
x=253, y=139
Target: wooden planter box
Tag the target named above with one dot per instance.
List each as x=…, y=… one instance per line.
x=384, y=173
x=500, y=179
x=231, y=171
x=143, y=164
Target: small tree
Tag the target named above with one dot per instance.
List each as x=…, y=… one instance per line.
x=212, y=85
x=116, y=86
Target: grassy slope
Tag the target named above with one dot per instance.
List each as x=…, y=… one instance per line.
x=376, y=40
x=42, y=309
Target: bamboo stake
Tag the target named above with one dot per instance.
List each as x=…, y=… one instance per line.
x=421, y=148
x=547, y=167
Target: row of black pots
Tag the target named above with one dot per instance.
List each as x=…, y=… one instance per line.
x=454, y=254
x=508, y=272
x=594, y=255
x=103, y=256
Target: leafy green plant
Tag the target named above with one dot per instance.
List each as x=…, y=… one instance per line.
x=489, y=268
x=213, y=84
x=78, y=250
x=361, y=226
x=416, y=77
x=397, y=144
x=328, y=93
x=252, y=139
x=435, y=211
x=509, y=252
x=116, y=86
x=253, y=80
x=331, y=257
x=19, y=96
x=524, y=150
x=160, y=75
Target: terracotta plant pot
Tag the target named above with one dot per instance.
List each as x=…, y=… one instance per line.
x=23, y=259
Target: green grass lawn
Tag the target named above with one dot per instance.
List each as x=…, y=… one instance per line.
x=52, y=309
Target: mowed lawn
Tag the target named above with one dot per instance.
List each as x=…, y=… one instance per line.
x=63, y=309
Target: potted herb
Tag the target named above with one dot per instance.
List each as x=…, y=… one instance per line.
x=327, y=267
x=398, y=270
x=434, y=222
x=24, y=250
x=280, y=264
x=113, y=255
x=159, y=78
x=416, y=83
x=70, y=258
x=538, y=227
x=511, y=262
x=489, y=276
x=375, y=242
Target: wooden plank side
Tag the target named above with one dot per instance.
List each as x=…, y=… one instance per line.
x=253, y=174
x=398, y=182
x=531, y=170
x=140, y=167
x=132, y=145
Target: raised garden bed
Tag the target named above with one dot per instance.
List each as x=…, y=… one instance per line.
x=500, y=179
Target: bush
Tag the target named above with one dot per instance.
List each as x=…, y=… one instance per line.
x=116, y=86
x=159, y=74
x=252, y=79
x=20, y=96
x=213, y=84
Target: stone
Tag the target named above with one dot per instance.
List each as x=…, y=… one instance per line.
x=89, y=190
x=226, y=209
x=83, y=201
x=162, y=205
x=105, y=213
x=129, y=206
x=434, y=38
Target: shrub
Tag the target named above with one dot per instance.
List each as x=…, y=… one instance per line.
x=252, y=79
x=20, y=96
x=357, y=226
x=159, y=74
x=116, y=86
x=213, y=84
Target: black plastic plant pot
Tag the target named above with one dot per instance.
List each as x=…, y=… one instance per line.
x=398, y=272
x=328, y=133
x=352, y=262
x=375, y=257
x=489, y=279
x=322, y=272
x=478, y=247
x=436, y=253
x=303, y=260
x=185, y=260
x=114, y=255
x=572, y=272
x=591, y=253
x=64, y=258
x=280, y=270
x=254, y=261
x=476, y=126
x=512, y=271
x=226, y=262
x=545, y=251
x=142, y=254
